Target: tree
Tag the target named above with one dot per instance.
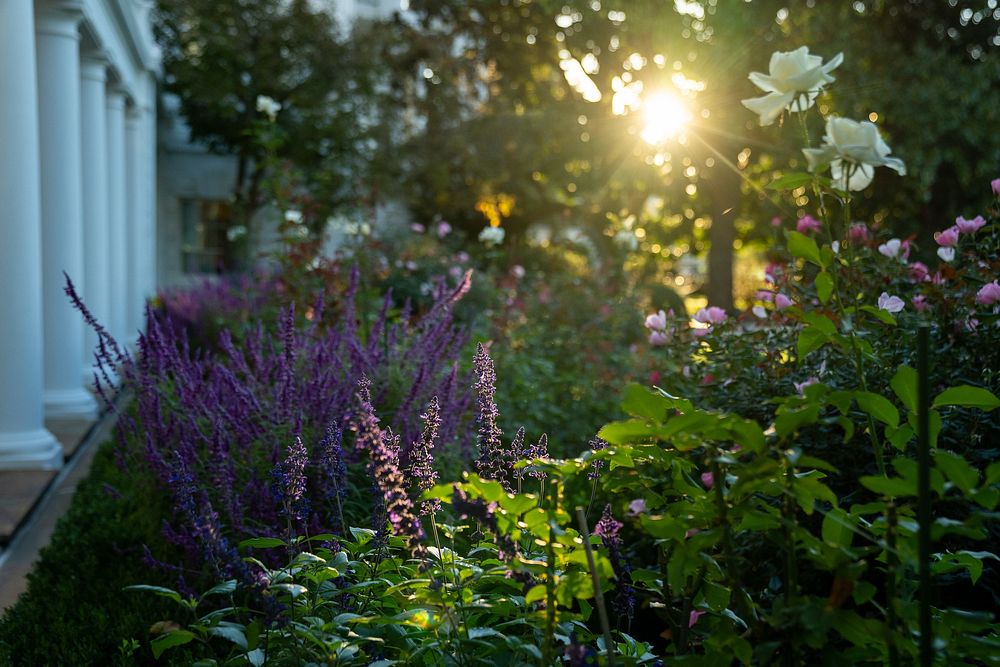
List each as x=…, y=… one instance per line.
x=220, y=56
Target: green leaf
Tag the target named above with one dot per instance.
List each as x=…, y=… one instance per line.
x=663, y=527
x=904, y=383
x=159, y=590
x=878, y=406
x=882, y=315
x=225, y=588
x=716, y=596
x=230, y=632
x=790, y=181
x=889, y=486
x=957, y=469
x=536, y=593
x=623, y=432
x=170, y=640
x=968, y=397
x=824, y=286
x=262, y=543
x=802, y=246
x=810, y=339
x=838, y=528
x=642, y=402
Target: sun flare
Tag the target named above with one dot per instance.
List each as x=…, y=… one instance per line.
x=665, y=115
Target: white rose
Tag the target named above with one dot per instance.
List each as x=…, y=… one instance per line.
x=268, y=106
x=793, y=82
x=852, y=150
x=492, y=235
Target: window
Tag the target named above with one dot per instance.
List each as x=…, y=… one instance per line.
x=205, y=248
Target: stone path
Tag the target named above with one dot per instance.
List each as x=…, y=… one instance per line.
x=31, y=502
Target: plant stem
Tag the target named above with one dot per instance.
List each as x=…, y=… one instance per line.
x=602, y=612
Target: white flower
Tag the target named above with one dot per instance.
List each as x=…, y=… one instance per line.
x=268, y=106
x=852, y=150
x=793, y=81
x=293, y=216
x=236, y=232
x=890, y=248
x=947, y=254
x=760, y=312
x=492, y=235
x=657, y=321
x=891, y=304
x=835, y=246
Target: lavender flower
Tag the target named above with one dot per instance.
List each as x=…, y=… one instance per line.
x=539, y=450
x=422, y=457
x=596, y=445
x=290, y=482
x=520, y=452
x=608, y=528
x=494, y=461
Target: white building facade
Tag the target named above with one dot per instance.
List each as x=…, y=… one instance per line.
x=77, y=197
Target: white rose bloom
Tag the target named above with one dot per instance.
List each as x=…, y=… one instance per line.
x=293, y=216
x=793, y=82
x=852, y=150
x=268, y=107
x=492, y=235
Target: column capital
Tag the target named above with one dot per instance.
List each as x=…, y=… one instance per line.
x=61, y=18
x=94, y=66
x=116, y=97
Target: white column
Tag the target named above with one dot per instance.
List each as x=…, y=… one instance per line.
x=135, y=298
x=58, y=49
x=24, y=442
x=96, y=240
x=149, y=187
x=117, y=211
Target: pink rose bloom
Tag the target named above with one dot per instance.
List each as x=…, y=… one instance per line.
x=764, y=295
x=948, y=238
x=776, y=221
x=517, y=271
x=988, y=294
x=920, y=303
x=708, y=479
x=417, y=228
x=710, y=315
x=781, y=301
x=937, y=278
x=694, y=616
x=919, y=272
x=969, y=226
x=658, y=339
x=808, y=225
x=995, y=184
x=890, y=304
x=858, y=232
x=904, y=248
x=443, y=229
x=657, y=321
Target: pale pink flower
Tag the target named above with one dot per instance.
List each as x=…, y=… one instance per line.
x=658, y=338
x=781, y=301
x=858, y=232
x=699, y=333
x=417, y=228
x=694, y=616
x=517, y=271
x=463, y=256
x=938, y=278
x=995, y=184
x=971, y=324
x=657, y=321
x=969, y=226
x=988, y=294
x=443, y=229
x=759, y=312
x=808, y=225
x=920, y=303
x=764, y=295
x=919, y=272
x=891, y=248
x=890, y=304
x=637, y=507
x=948, y=238
x=708, y=479
x=710, y=315
x=776, y=221
x=946, y=254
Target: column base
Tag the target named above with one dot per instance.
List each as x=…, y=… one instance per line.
x=30, y=450
x=70, y=403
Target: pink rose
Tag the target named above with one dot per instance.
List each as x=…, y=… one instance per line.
x=417, y=228
x=890, y=304
x=858, y=232
x=891, y=248
x=920, y=303
x=781, y=301
x=657, y=321
x=443, y=229
x=764, y=295
x=995, y=184
x=969, y=226
x=988, y=294
x=808, y=225
x=710, y=315
x=658, y=338
x=948, y=238
x=919, y=272
x=708, y=479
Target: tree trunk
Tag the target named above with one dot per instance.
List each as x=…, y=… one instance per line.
x=724, y=189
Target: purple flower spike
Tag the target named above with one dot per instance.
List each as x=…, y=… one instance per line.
x=422, y=456
x=608, y=528
x=290, y=482
x=539, y=450
x=597, y=444
x=494, y=461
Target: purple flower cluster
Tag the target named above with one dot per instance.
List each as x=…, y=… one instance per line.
x=290, y=482
x=421, y=464
x=494, y=460
x=608, y=529
x=597, y=444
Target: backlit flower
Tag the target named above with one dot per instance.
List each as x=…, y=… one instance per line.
x=895, y=248
x=710, y=315
x=919, y=272
x=492, y=235
x=781, y=301
x=988, y=294
x=657, y=321
x=808, y=225
x=793, y=81
x=995, y=184
x=891, y=304
x=969, y=226
x=268, y=106
x=658, y=338
x=858, y=232
x=852, y=150
x=948, y=238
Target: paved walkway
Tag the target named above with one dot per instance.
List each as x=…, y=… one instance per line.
x=31, y=502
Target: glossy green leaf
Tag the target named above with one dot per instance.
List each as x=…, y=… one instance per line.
x=968, y=397
x=824, y=286
x=791, y=181
x=802, y=246
x=878, y=406
x=838, y=528
x=956, y=469
x=642, y=402
x=904, y=384
x=170, y=640
x=262, y=543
